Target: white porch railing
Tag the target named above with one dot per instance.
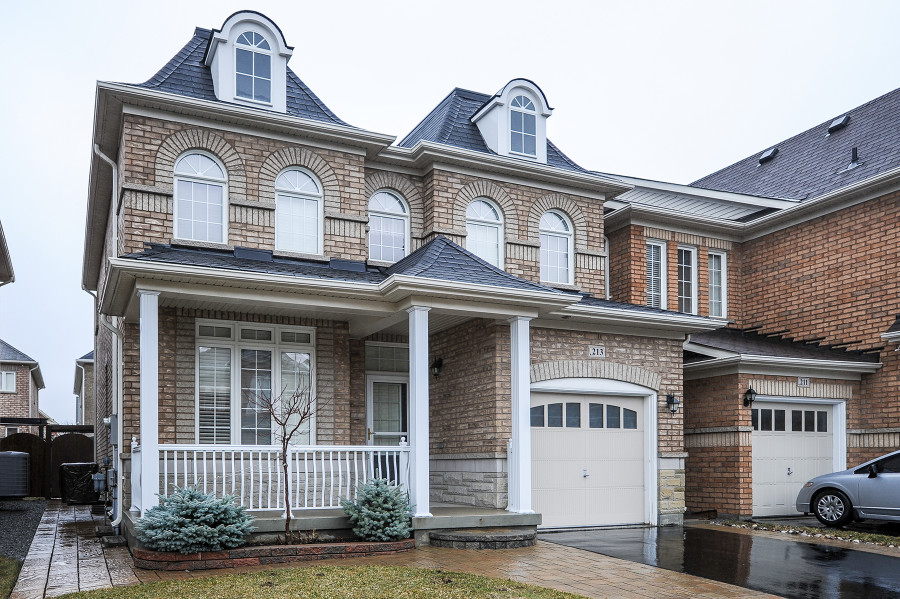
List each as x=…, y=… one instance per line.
x=318, y=476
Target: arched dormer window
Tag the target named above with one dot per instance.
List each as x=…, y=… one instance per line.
x=522, y=126
x=201, y=205
x=388, y=227
x=556, y=248
x=253, y=67
x=484, y=231
x=298, y=212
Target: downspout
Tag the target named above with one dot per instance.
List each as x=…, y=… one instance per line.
x=77, y=410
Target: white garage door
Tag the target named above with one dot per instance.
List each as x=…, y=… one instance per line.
x=587, y=459
x=792, y=443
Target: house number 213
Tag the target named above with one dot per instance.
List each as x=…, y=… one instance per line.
x=597, y=351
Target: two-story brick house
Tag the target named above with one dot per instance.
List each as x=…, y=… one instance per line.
x=442, y=298
x=20, y=382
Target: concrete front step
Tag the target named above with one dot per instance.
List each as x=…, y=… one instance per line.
x=484, y=538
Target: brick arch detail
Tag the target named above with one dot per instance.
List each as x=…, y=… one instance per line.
x=564, y=204
x=492, y=191
x=293, y=156
x=596, y=369
x=376, y=180
x=200, y=139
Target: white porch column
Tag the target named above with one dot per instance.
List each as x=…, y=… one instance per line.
x=418, y=411
x=519, y=463
x=149, y=400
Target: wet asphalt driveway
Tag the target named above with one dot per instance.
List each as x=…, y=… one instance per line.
x=781, y=567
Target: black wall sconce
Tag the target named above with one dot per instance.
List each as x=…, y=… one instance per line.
x=672, y=402
x=436, y=367
x=749, y=397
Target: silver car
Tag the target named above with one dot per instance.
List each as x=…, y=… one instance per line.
x=869, y=491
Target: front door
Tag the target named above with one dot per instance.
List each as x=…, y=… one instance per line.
x=387, y=410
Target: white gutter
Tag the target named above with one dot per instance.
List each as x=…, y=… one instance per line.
x=893, y=337
x=753, y=364
x=114, y=208
x=678, y=322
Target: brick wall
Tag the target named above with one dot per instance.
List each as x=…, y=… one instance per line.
x=23, y=402
x=104, y=393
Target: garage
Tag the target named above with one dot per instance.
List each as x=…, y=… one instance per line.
x=589, y=465
x=792, y=443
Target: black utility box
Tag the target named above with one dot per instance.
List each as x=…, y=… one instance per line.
x=76, y=484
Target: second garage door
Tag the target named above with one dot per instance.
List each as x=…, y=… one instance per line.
x=587, y=459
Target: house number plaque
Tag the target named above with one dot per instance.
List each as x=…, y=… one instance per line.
x=803, y=381
x=597, y=351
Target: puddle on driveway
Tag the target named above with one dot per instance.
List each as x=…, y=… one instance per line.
x=787, y=568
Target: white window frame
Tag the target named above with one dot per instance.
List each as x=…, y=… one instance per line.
x=606, y=267
x=407, y=217
x=320, y=212
x=570, y=241
x=724, y=257
x=498, y=226
x=533, y=112
x=253, y=50
x=276, y=346
x=206, y=181
x=5, y=377
x=693, y=282
x=663, y=283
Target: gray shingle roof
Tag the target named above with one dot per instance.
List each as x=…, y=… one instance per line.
x=450, y=123
x=10, y=354
x=895, y=328
x=755, y=344
x=186, y=75
x=86, y=357
x=812, y=163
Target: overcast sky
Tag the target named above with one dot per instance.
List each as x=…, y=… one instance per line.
x=662, y=90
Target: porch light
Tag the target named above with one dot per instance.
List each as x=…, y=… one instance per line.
x=749, y=397
x=436, y=367
x=672, y=402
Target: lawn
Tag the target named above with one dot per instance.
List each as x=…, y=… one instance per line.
x=9, y=571
x=333, y=582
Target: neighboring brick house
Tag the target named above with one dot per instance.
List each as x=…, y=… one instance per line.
x=449, y=290
x=20, y=382
x=7, y=275
x=83, y=389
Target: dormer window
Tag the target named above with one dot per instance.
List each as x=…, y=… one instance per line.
x=522, y=126
x=253, y=67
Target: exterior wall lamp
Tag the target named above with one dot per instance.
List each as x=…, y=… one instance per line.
x=749, y=397
x=437, y=366
x=672, y=402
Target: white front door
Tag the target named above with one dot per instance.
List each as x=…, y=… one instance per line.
x=792, y=443
x=588, y=459
x=387, y=410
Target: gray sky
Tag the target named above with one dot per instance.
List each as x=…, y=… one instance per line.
x=663, y=90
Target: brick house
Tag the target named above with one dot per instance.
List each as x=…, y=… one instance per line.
x=20, y=382
x=83, y=388
x=442, y=298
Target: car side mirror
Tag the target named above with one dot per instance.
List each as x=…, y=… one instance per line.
x=873, y=472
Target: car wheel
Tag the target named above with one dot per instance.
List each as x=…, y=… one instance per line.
x=832, y=508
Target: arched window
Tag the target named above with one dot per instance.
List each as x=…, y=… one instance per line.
x=556, y=248
x=201, y=209
x=522, y=126
x=253, y=67
x=298, y=212
x=484, y=231
x=388, y=227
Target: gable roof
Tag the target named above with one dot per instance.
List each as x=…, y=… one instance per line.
x=813, y=162
x=186, y=75
x=88, y=357
x=6, y=268
x=450, y=123
x=10, y=354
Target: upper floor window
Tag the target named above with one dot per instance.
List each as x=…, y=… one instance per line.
x=556, y=248
x=687, y=280
x=388, y=227
x=298, y=212
x=718, y=285
x=606, y=267
x=253, y=67
x=522, y=126
x=200, y=205
x=484, y=231
x=8, y=381
x=656, y=275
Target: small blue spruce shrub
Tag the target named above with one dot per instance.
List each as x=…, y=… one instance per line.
x=189, y=521
x=380, y=513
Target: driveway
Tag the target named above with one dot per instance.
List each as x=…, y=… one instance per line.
x=783, y=567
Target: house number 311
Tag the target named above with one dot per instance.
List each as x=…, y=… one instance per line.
x=597, y=351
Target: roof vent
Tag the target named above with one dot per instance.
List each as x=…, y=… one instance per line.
x=838, y=124
x=768, y=155
x=854, y=159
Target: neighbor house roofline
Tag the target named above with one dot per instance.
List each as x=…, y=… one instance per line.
x=7, y=275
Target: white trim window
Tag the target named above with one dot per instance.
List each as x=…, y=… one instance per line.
x=718, y=285
x=484, y=231
x=522, y=126
x=388, y=227
x=253, y=68
x=298, y=212
x=201, y=205
x=656, y=274
x=556, y=248
x=242, y=366
x=606, y=267
x=687, y=280
x=8, y=381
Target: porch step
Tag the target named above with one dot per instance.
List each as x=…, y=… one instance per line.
x=482, y=538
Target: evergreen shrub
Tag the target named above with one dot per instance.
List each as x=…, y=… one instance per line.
x=189, y=521
x=380, y=513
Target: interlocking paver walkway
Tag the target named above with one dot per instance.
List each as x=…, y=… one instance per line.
x=65, y=556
